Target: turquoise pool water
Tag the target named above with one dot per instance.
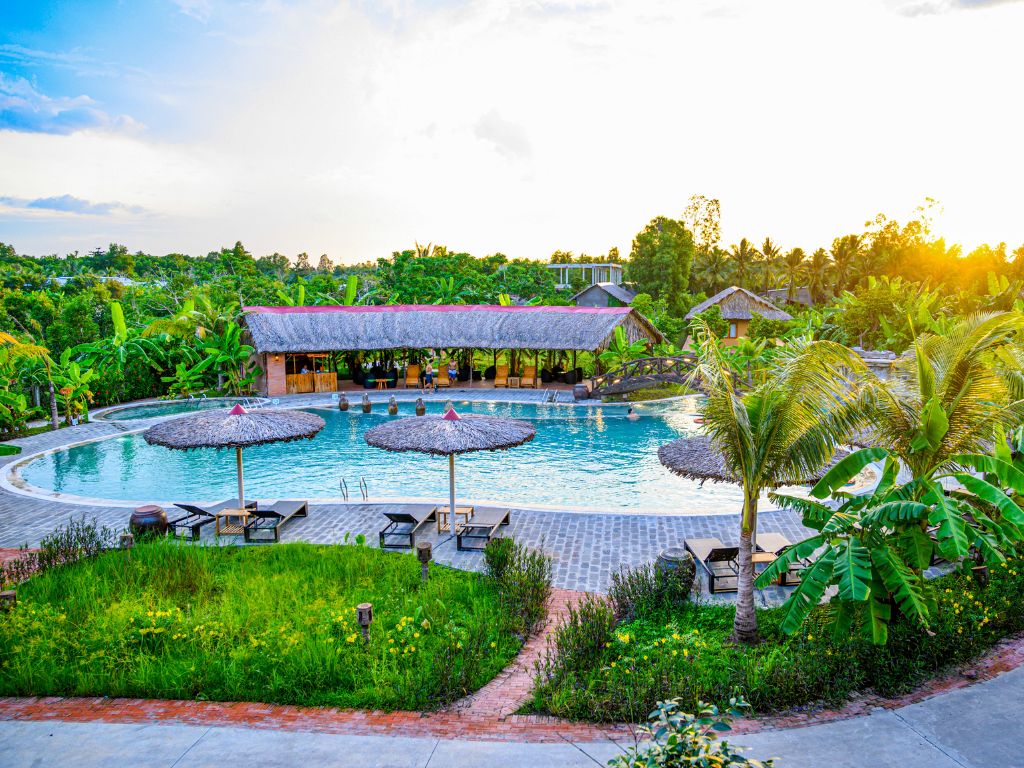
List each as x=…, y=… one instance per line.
x=152, y=410
x=582, y=457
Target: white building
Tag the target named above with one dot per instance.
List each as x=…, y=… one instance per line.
x=592, y=274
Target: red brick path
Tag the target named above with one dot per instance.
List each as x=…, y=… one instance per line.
x=486, y=715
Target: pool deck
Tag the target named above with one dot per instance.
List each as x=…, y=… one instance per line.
x=586, y=547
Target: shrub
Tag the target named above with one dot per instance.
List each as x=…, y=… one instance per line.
x=641, y=591
x=524, y=580
x=686, y=653
x=68, y=543
x=677, y=739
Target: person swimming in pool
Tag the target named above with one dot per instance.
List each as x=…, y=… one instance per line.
x=630, y=415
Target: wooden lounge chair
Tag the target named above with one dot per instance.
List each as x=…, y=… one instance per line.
x=718, y=561
x=401, y=530
x=190, y=524
x=529, y=378
x=776, y=544
x=412, y=376
x=474, y=534
x=442, y=378
x=501, y=376
x=272, y=518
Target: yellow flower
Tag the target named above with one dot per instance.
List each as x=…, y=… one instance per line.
x=645, y=658
x=810, y=637
x=494, y=645
x=675, y=652
x=685, y=652
x=613, y=664
x=415, y=634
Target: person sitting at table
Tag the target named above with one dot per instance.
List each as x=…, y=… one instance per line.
x=305, y=369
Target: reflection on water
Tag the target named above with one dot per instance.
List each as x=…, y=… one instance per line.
x=582, y=457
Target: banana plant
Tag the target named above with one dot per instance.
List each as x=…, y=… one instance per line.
x=125, y=345
x=874, y=549
x=187, y=381
x=73, y=382
x=620, y=351
x=297, y=297
x=231, y=357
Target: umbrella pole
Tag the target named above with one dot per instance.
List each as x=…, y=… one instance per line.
x=451, y=487
x=241, y=482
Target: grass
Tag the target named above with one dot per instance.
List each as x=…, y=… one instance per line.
x=274, y=624
x=600, y=670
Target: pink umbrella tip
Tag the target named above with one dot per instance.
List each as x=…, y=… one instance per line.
x=238, y=410
x=451, y=415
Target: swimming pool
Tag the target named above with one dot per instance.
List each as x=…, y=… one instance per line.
x=168, y=408
x=582, y=457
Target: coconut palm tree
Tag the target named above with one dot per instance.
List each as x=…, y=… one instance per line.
x=950, y=396
x=744, y=259
x=793, y=265
x=712, y=270
x=779, y=433
x=770, y=256
x=846, y=251
x=819, y=275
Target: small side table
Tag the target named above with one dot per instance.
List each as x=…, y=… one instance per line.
x=227, y=527
x=443, y=522
x=513, y=382
x=382, y=383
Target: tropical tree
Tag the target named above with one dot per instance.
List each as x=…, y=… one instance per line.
x=744, y=261
x=779, y=433
x=770, y=257
x=296, y=297
x=819, y=275
x=712, y=270
x=183, y=324
x=793, y=267
x=846, y=251
x=951, y=395
x=660, y=262
x=17, y=361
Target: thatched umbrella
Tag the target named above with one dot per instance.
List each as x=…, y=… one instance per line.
x=697, y=458
x=450, y=435
x=238, y=429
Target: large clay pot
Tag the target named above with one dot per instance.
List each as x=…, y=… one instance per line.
x=148, y=520
x=343, y=404
x=392, y=407
x=580, y=392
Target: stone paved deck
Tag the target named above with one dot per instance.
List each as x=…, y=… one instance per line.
x=586, y=547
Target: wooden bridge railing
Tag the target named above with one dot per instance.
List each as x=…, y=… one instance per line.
x=642, y=373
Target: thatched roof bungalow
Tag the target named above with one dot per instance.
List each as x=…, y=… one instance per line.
x=278, y=332
x=738, y=307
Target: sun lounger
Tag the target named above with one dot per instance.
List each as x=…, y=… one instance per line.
x=776, y=544
x=442, y=377
x=196, y=517
x=501, y=376
x=412, y=376
x=272, y=518
x=474, y=534
x=718, y=561
x=529, y=378
x=401, y=530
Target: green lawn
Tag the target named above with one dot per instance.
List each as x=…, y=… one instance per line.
x=605, y=671
x=274, y=624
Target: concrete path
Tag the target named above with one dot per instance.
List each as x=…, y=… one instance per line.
x=976, y=727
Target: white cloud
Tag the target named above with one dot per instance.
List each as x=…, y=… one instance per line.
x=524, y=127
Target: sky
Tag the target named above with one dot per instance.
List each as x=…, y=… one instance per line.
x=356, y=128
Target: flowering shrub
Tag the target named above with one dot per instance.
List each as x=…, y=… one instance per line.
x=686, y=654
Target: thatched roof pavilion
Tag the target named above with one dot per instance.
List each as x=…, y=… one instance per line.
x=413, y=326
x=740, y=304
